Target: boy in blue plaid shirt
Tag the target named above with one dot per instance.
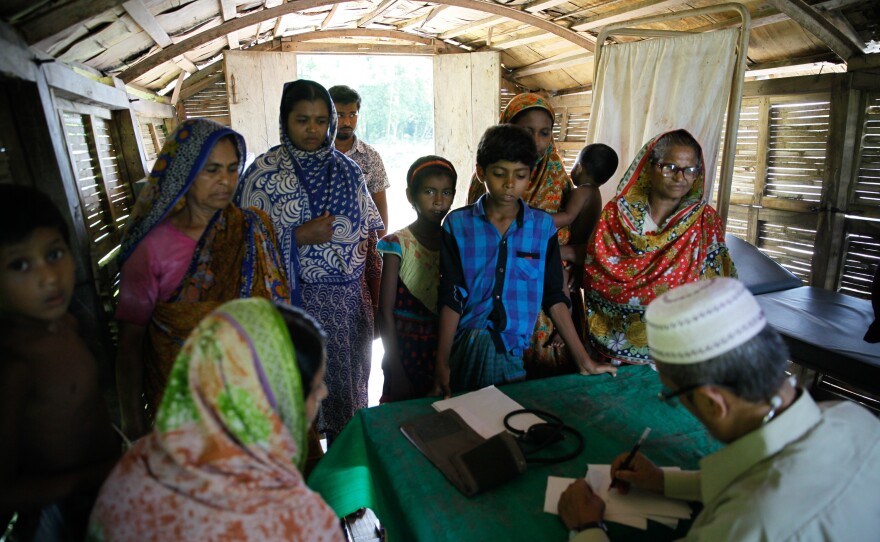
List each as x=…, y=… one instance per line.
x=499, y=265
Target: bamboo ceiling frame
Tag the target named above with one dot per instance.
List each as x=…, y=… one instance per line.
x=728, y=154
x=205, y=36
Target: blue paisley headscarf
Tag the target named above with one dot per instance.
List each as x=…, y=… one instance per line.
x=294, y=186
x=182, y=158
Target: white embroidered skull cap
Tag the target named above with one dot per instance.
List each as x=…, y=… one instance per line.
x=696, y=322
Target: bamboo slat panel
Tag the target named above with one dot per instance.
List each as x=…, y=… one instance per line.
x=796, y=151
x=99, y=223
x=738, y=221
x=867, y=187
x=746, y=159
x=105, y=195
x=150, y=150
x=571, y=126
x=789, y=238
x=211, y=102
x=861, y=255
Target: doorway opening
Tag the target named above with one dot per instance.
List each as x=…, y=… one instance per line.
x=396, y=116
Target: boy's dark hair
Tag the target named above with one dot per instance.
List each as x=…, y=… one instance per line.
x=309, y=342
x=429, y=165
x=506, y=142
x=23, y=209
x=302, y=90
x=343, y=94
x=599, y=161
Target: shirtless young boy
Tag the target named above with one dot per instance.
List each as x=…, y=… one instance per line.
x=56, y=441
x=595, y=164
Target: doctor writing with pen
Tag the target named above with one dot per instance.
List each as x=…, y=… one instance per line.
x=792, y=469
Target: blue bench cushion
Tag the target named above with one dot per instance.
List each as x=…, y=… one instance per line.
x=825, y=331
x=758, y=271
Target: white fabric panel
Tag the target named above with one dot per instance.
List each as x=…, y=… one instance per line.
x=662, y=84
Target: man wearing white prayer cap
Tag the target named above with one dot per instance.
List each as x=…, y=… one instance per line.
x=792, y=469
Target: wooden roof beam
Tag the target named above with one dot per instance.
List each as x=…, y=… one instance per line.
x=523, y=39
x=229, y=11
x=361, y=33
x=812, y=21
x=376, y=13
x=207, y=35
x=142, y=16
x=329, y=16
x=541, y=5
x=368, y=48
x=476, y=25
x=531, y=7
x=186, y=64
x=632, y=11
x=558, y=62
x=842, y=23
x=792, y=65
x=280, y=27
x=60, y=18
x=421, y=20
x=175, y=94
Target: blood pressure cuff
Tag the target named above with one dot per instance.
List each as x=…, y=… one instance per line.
x=471, y=463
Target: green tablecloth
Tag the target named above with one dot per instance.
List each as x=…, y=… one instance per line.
x=373, y=465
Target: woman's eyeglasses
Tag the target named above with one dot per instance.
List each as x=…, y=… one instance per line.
x=671, y=170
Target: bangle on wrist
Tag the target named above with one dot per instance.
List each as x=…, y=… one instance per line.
x=591, y=525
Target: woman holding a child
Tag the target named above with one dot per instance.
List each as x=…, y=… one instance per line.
x=657, y=233
x=326, y=223
x=549, y=185
x=186, y=250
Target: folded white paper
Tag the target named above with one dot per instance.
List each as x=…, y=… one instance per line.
x=636, y=502
x=555, y=487
x=484, y=410
x=633, y=509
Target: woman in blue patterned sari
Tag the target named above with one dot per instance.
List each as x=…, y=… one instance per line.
x=326, y=222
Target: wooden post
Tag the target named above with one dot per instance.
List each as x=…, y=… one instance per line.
x=130, y=145
x=753, y=228
x=840, y=174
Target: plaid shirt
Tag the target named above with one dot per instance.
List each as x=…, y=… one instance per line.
x=493, y=281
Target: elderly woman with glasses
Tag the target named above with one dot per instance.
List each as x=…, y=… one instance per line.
x=655, y=234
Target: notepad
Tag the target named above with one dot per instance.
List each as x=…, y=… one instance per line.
x=484, y=410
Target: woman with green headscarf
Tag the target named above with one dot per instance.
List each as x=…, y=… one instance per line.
x=223, y=461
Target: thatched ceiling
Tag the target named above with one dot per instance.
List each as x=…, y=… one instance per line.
x=544, y=44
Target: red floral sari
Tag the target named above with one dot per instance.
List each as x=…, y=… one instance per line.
x=626, y=269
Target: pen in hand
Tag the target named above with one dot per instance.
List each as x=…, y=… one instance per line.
x=627, y=463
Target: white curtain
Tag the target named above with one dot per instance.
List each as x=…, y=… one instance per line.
x=661, y=84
